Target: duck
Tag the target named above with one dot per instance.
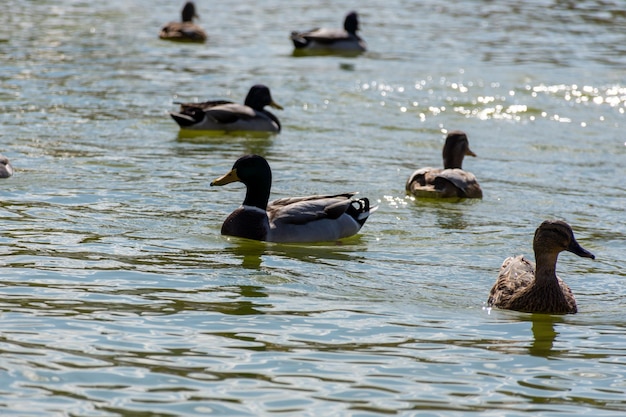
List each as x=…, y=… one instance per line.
x=186, y=30
x=226, y=116
x=522, y=286
x=309, y=219
x=451, y=181
x=328, y=41
x=6, y=169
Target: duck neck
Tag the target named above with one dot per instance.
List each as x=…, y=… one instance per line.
x=188, y=13
x=545, y=275
x=258, y=193
x=453, y=161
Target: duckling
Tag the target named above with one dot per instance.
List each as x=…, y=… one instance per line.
x=226, y=116
x=186, y=30
x=316, y=218
x=521, y=287
x=451, y=181
x=329, y=41
x=6, y=170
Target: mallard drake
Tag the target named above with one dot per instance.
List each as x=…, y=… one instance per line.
x=329, y=41
x=6, y=170
x=316, y=218
x=186, y=30
x=451, y=181
x=227, y=116
x=522, y=287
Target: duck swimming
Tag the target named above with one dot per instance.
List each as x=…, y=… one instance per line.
x=226, y=116
x=186, y=30
x=328, y=41
x=451, y=181
x=522, y=287
x=6, y=170
x=316, y=218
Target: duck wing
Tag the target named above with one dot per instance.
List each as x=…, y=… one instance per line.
x=193, y=32
x=422, y=177
x=230, y=113
x=302, y=210
x=464, y=181
x=205, y=105
x=317, y=218
x=217, y=112
x=325, y=35
x=183, y=32
x=191, y=114
x=516, y=274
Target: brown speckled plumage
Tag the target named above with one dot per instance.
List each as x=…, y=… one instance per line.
x=185, y=30
x=522, y=287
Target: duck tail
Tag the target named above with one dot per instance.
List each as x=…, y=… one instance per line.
x=298, y=40
x=188, y=117
x=183, y=120
x=360, y=210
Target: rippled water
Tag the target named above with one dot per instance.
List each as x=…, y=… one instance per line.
x=121, y=298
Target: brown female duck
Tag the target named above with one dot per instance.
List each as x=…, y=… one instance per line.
x=521, y=287
x=451, y=181
x=186, y=30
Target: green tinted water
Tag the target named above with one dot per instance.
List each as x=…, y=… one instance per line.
x=120, y=297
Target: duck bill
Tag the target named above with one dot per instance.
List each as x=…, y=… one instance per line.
x=470, y=152
x=230, y=176
x=276, y=105
x=576, y=249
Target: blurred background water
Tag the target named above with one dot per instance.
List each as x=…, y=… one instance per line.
x=121, y=298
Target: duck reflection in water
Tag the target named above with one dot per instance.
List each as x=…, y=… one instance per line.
x=451, y=218
x=544, y=335
x=249, y=251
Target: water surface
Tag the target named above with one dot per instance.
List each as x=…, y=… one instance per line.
x=120, y=297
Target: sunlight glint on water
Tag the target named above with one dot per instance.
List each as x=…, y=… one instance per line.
x=120, y=297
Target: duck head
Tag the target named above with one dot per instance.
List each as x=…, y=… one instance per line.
x=255, y=173
x=455, y=149
x=189, y=12
x=351, y=24
x=554, y=236
x=259, y=96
